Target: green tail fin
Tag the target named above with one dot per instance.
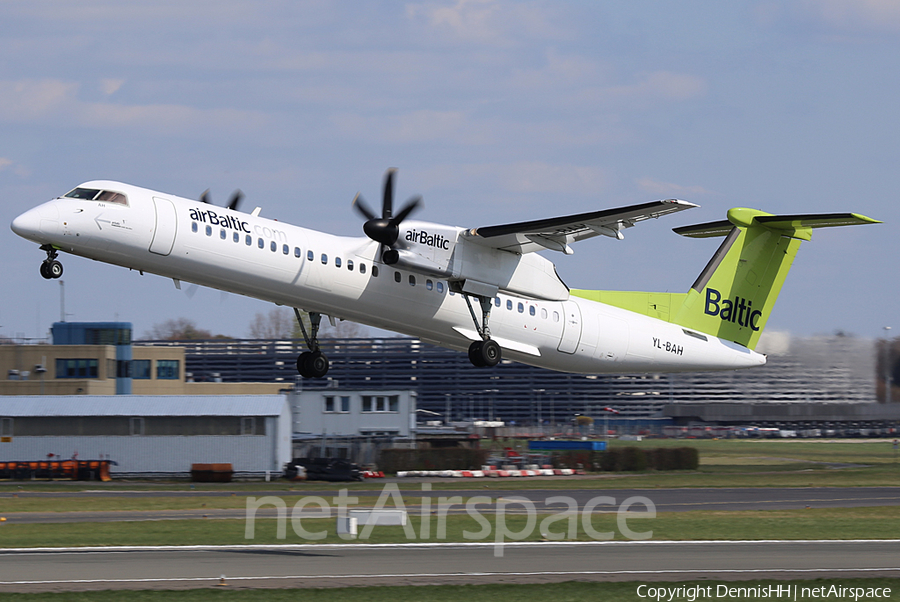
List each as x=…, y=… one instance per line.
x=734, y=295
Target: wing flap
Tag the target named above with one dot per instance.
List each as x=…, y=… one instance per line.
x=558, y=232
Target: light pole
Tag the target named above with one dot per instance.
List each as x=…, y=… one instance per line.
x=606, y=412
x=887, y=364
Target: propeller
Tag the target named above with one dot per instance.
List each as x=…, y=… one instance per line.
x=233, y=202
x=386, y=229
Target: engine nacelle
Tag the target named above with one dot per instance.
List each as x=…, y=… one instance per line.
x=437, y=250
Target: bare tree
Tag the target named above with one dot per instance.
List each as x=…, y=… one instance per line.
x=179, y=329
x=278, y=323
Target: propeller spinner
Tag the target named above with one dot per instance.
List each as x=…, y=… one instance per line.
x=233, y=202
x=386, y=229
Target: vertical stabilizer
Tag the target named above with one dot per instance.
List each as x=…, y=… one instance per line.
x=734, y=295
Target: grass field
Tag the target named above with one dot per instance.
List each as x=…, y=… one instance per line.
x=824, y=523
x=572, y=591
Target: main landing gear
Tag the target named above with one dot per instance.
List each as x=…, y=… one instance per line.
x=312, y=363
x=486, y=352
x=51, y=268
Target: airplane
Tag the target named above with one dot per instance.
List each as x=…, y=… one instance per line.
x=485, y=291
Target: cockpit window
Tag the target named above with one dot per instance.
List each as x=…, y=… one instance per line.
x=107, y=196
x=87, y=194
x=91, y=194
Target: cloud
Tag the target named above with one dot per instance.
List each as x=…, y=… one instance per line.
x=33, y=99
x=58, y=103
x=665, y=85
x=413, y=127
x=856, y=15
x=111, y=86
x=523, y=177
x=668, y=189
x=489, y=22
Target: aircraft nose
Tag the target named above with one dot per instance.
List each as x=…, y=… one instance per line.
x=34, y=223
x=27, y=224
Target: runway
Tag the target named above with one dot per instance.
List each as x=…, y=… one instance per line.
x=420, y=564
x=665, y=500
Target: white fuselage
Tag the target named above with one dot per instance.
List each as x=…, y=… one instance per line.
x=333, y=275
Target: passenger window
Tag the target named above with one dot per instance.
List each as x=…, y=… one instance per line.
x=521, y=307
x=324, y=259
x=209, y=230
x=531, y=311
x=412, y=280
x=285, y=249
x=222, y=234
x=509, y=304
x=396, y=276
x=273, y=246
x=544, y=313
x=337, y=261
x=248, y=240
x=362, y=268
x=310, y=256
x=194, y=227
x=429, y=285
x=350, y=264
x=261, y=243
x=556, y=316
x=496, y=301
x=296, y=251
x=374, y=271
x=236, y=237
x=440, y=287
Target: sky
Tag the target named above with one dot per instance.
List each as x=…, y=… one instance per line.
x=494, y=111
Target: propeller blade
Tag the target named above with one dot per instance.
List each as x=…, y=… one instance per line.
x=204, y=198
x=235, y=199
x=411, y=205
x=387, y=203
x=386, y=229
x=360, y=205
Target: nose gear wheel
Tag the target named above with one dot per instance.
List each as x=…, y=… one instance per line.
x=51, y=268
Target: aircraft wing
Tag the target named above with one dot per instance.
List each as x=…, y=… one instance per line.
x=558, y=232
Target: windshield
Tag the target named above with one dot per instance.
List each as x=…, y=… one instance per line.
x=91, y=194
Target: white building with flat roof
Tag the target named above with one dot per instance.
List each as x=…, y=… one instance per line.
x=353, y=413
x=149, y=434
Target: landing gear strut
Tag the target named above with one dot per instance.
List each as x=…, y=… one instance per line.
x=486, y=352
x=51, y=268
x=312, y=363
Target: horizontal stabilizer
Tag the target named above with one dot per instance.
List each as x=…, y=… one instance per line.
x=748, y=217
x=814, y=220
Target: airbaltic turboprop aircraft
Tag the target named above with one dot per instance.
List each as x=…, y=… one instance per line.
x=484, y=290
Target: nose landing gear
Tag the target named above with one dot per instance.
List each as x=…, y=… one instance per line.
x=51, y=268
